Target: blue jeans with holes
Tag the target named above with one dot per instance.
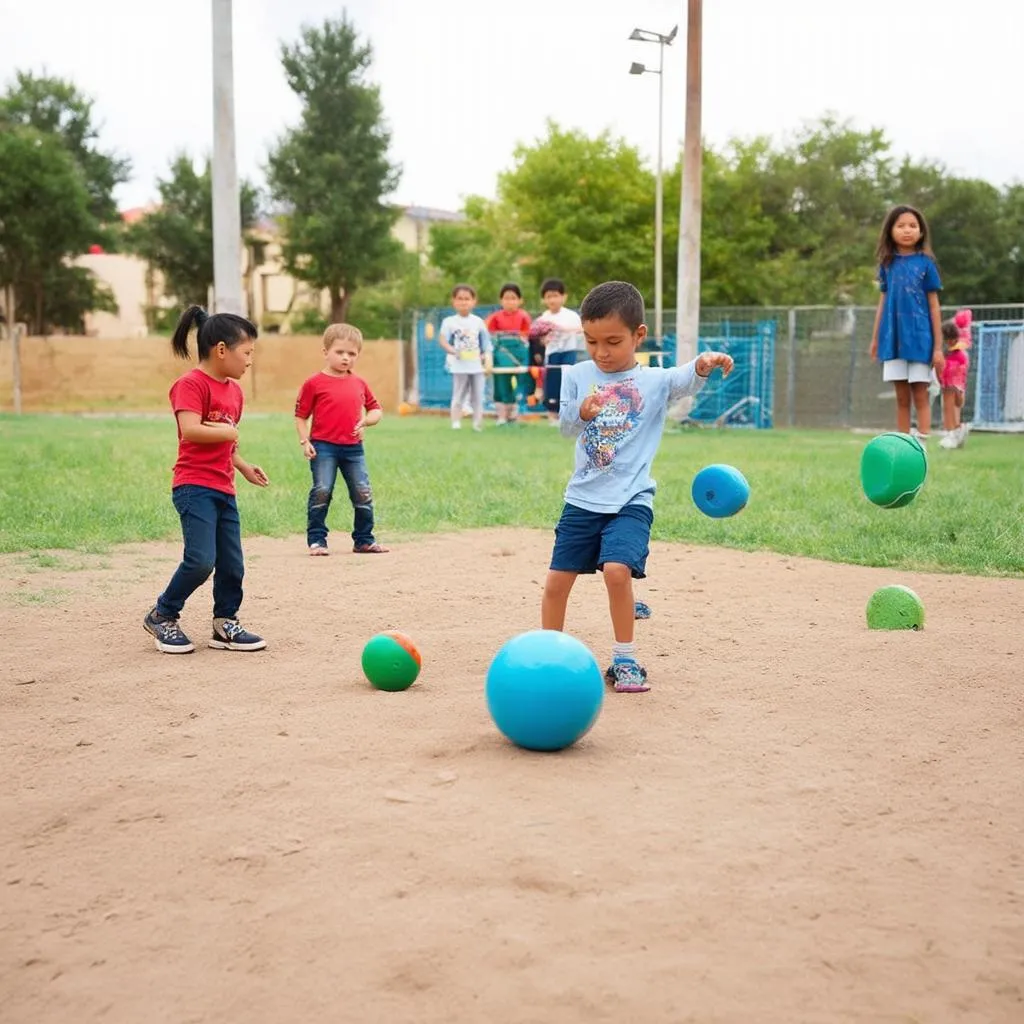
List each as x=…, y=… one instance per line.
x=325, y=466
x=213, y=544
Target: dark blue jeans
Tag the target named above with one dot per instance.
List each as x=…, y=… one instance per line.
x=351, y=462
x=213, y=544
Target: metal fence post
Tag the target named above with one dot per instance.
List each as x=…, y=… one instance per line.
x=852, y=375
x=791, y=370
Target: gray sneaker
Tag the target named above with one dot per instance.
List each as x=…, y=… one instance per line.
x=169, y=637
x=229, y=635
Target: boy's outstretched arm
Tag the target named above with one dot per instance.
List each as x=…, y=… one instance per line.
x=690, y=378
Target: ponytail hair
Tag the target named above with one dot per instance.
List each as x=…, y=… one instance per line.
x=226, y=327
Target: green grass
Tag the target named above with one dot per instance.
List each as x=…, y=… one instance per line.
x=86, y=483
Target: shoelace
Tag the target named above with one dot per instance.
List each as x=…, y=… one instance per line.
x=628, y=672
x=170, y=630
x=232, y=629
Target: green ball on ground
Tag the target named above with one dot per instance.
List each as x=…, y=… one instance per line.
x=895, y=607
x=893, y=468
x=391, y=661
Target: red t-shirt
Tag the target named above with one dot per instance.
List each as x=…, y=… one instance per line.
x=216, y=401
x=336, y=405
x=500, y=322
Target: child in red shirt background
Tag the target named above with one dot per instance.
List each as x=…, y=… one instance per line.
x=509, y=328
x=332, y=410
x=207, y=404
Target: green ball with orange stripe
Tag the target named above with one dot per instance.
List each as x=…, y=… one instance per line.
x=391, y=661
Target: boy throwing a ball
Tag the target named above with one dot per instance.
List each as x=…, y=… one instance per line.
x=616, y=409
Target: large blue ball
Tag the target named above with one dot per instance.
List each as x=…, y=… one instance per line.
x=720, y=491
x=544, y=690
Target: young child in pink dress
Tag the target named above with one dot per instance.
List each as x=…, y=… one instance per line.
x=956, y=339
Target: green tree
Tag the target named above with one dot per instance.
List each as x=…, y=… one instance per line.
x=177, y=237
x=973, y=232
x=737, y=234
x=791, y=223
x=45, y=220
x=56, y=107
x=584, y=209
x=485, y=249
x=382, y=310
x=1013, y=216
x=825, y=194
x=331, y=174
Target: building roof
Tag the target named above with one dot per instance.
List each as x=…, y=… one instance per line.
x=426, y=213
x=136, y=213
x=431, y=213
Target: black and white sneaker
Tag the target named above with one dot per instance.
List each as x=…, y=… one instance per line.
x=229, y=635
x=169, y=637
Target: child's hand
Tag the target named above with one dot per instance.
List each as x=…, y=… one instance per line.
x=357, y=430
x=308, y=450
x=590, y=407
x=709, y=361
x=255, y=475
x=938, y=361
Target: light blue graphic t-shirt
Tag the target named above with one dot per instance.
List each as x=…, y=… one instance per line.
x=615, y=449
x=469, y=336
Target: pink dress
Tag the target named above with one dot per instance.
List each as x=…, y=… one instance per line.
x=954, y=373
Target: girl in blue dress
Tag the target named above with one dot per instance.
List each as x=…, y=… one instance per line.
x=907, y=337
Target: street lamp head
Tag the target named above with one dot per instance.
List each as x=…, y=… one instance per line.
x=645, y=35
x=636, y=69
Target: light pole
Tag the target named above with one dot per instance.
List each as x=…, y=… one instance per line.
x=227, y=217
x=642, y=35
x=688, y=302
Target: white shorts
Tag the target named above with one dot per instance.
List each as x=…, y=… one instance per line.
x=900, y=369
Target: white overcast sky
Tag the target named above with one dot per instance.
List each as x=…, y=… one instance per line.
x=464, y=80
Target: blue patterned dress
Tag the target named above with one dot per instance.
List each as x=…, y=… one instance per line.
x=905, y=331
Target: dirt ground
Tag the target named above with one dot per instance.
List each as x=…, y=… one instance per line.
x=803, y=821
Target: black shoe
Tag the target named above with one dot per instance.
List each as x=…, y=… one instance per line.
x=169, y=638
x=228, y=635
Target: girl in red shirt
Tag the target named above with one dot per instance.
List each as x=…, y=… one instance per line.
x=509, y=327
x=207, y=404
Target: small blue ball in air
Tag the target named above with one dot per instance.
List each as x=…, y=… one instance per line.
x=720, y=491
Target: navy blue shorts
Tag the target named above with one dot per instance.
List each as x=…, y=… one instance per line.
x=585, y=540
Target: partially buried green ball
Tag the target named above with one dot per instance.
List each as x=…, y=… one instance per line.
x=895, y=607
x=391, y=661
x=893, y=468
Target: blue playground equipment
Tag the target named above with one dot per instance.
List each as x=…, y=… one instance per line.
x=745, y=399
x=434, y=382
x=998, y=368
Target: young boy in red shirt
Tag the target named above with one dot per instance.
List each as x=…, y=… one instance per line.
x=509, y=327
x=333, y=408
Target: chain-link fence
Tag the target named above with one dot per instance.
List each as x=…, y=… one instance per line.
x=823, y=374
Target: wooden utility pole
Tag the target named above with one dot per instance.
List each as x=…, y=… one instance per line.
x=688, y=290
x=227, y=215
